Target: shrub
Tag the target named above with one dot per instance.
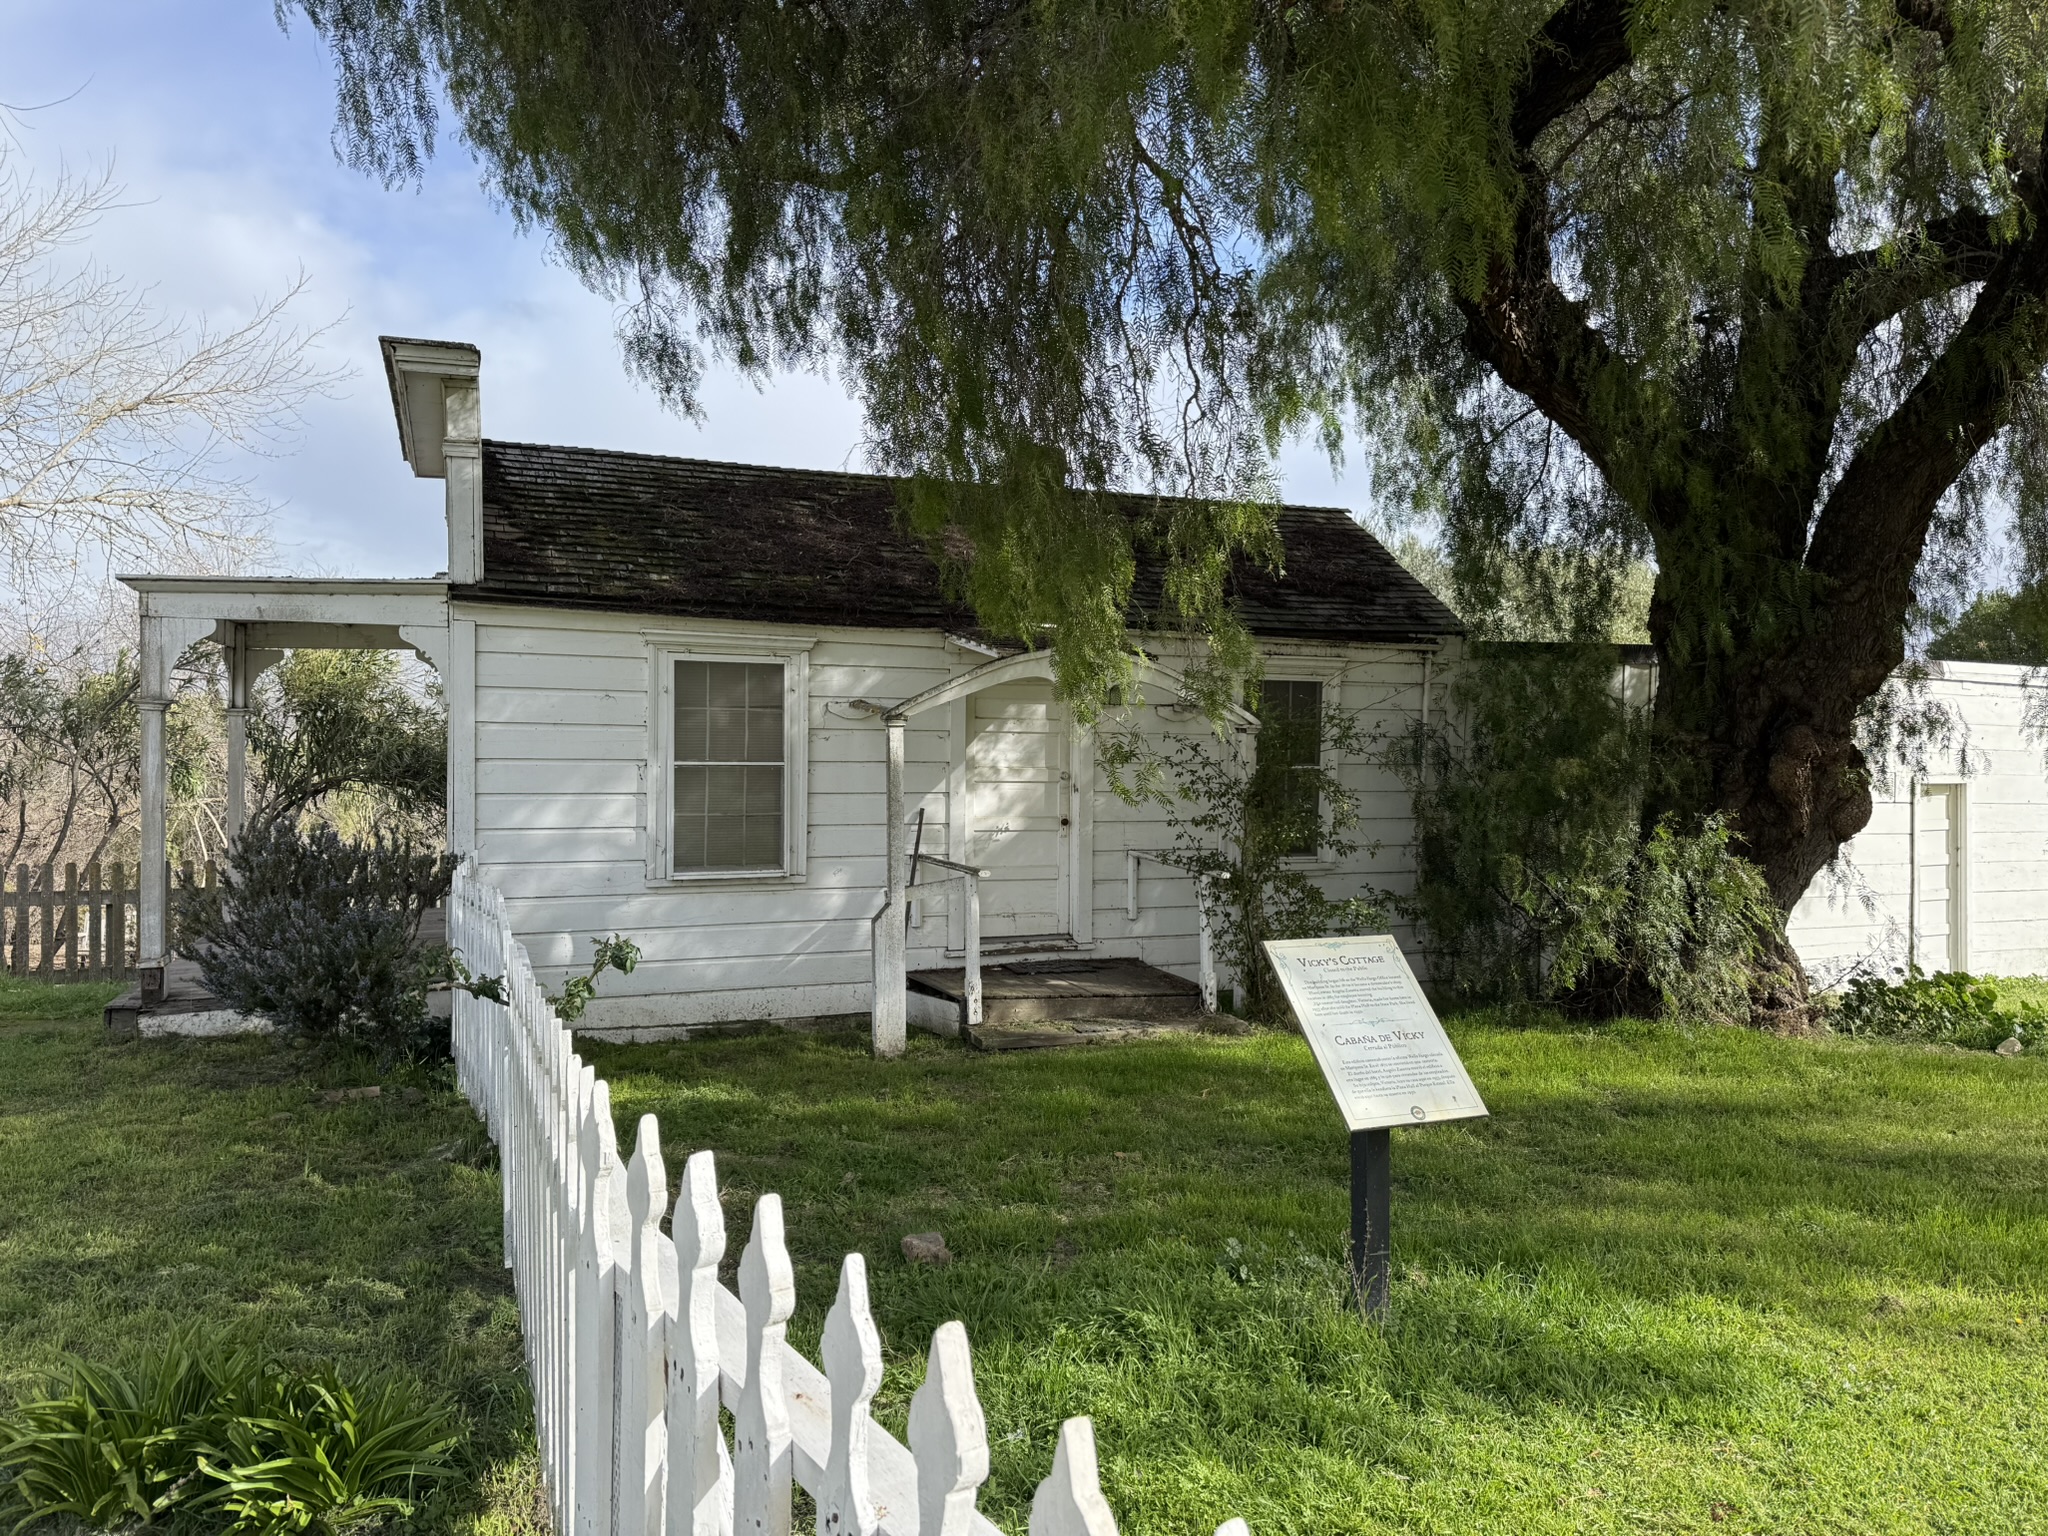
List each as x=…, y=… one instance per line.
x=203, y=1436
x=1237, y=819
x=1947, y=1008
x=1536, y=878
x=321, y=936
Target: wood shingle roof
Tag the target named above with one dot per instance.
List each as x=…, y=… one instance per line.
x=630, y=532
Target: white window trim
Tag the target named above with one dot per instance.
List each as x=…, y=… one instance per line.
x=792, y=654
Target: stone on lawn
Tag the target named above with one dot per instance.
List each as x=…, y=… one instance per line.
x=926, y=1248
x=2010, y=1047
x=344, y=1095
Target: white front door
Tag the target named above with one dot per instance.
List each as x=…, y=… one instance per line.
x=1939, y=939
x=1018, y=811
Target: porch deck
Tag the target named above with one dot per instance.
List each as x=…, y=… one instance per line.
x=1034, y=1004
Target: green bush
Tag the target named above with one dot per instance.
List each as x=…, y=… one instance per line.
x=1947, y=1008
x=321, y=936
x=206, y=1437
x=1536, y=878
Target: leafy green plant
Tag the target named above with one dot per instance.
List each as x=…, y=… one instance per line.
x=615, y=953
x=1946, y=1008
x=204, y=1435
x=312, y=1452
x=1536, y=880
x=1242, y=817
x=110, y=1447
x=322, y=936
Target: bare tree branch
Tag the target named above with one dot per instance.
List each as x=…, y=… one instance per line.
x=115, y=421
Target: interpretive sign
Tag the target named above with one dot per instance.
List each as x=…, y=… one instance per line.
x=1388, y=1062
x=1385, y=1056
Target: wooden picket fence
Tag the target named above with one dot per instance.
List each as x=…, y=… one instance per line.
x=633, y=1343
x=82, y=925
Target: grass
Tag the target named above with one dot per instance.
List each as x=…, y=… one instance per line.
x=2016, y=992
x=24, y=999
x=154, y=1184
x=1680, y=1281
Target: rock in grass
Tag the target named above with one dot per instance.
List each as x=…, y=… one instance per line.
x=344, y=1095
x=926, y=1248
x=2010, y=1047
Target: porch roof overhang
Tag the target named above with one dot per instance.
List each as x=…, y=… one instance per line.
x=269, y=613
x=1039, y=664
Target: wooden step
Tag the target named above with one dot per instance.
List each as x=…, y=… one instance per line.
x=1068, y=990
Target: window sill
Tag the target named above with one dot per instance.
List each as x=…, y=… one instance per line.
x=712, y=881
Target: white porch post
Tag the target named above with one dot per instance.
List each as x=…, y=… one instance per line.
x=237, y=650
x=154, y=895
x=889, y=1006
x=164, y=639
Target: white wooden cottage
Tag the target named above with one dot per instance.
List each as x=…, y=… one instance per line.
x=690, y=702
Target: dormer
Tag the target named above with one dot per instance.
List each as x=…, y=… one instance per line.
x=440, y=432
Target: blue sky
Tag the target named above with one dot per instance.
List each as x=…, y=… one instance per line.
x=218, y=123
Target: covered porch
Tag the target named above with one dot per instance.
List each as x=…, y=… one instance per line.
x=254, y=621
x=961, y=993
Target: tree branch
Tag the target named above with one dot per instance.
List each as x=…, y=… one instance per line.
x=1522, y=325
x=1873, y=527
x=1869, y=287
x=1580, y=46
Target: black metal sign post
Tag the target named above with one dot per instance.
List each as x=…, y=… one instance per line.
x=1372, y=1206
x=1388, y=1062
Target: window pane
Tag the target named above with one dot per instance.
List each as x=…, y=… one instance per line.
x=764, y=792
x=764, y=842
x=725, y=842
x=728, y=774
x=691, y=791
x=728, y=735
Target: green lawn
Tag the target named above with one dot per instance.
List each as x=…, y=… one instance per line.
x=1678, y=1282
x=152, y=1184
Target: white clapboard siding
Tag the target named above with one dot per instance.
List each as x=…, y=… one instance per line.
x=633, y=1345
x=1860, y=916
x=564, y=745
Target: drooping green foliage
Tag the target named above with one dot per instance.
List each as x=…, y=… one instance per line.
x=1752, y=288
x=1535, y=880
x=204, y=1436
x=615, y=952
x=1243, y=817
x=322, y=936
x=329, y=725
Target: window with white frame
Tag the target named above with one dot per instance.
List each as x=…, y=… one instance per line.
x=731, y=768
x=1291, y=735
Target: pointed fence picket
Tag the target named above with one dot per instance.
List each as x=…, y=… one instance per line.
x=633, y=1344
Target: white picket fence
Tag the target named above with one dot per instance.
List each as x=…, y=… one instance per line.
x=633, y=1344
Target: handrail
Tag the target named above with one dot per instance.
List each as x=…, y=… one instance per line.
x=1205, y=941
x=970, y=878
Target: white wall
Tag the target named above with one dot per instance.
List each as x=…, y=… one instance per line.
x=562, y=760
x=1855, y=917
